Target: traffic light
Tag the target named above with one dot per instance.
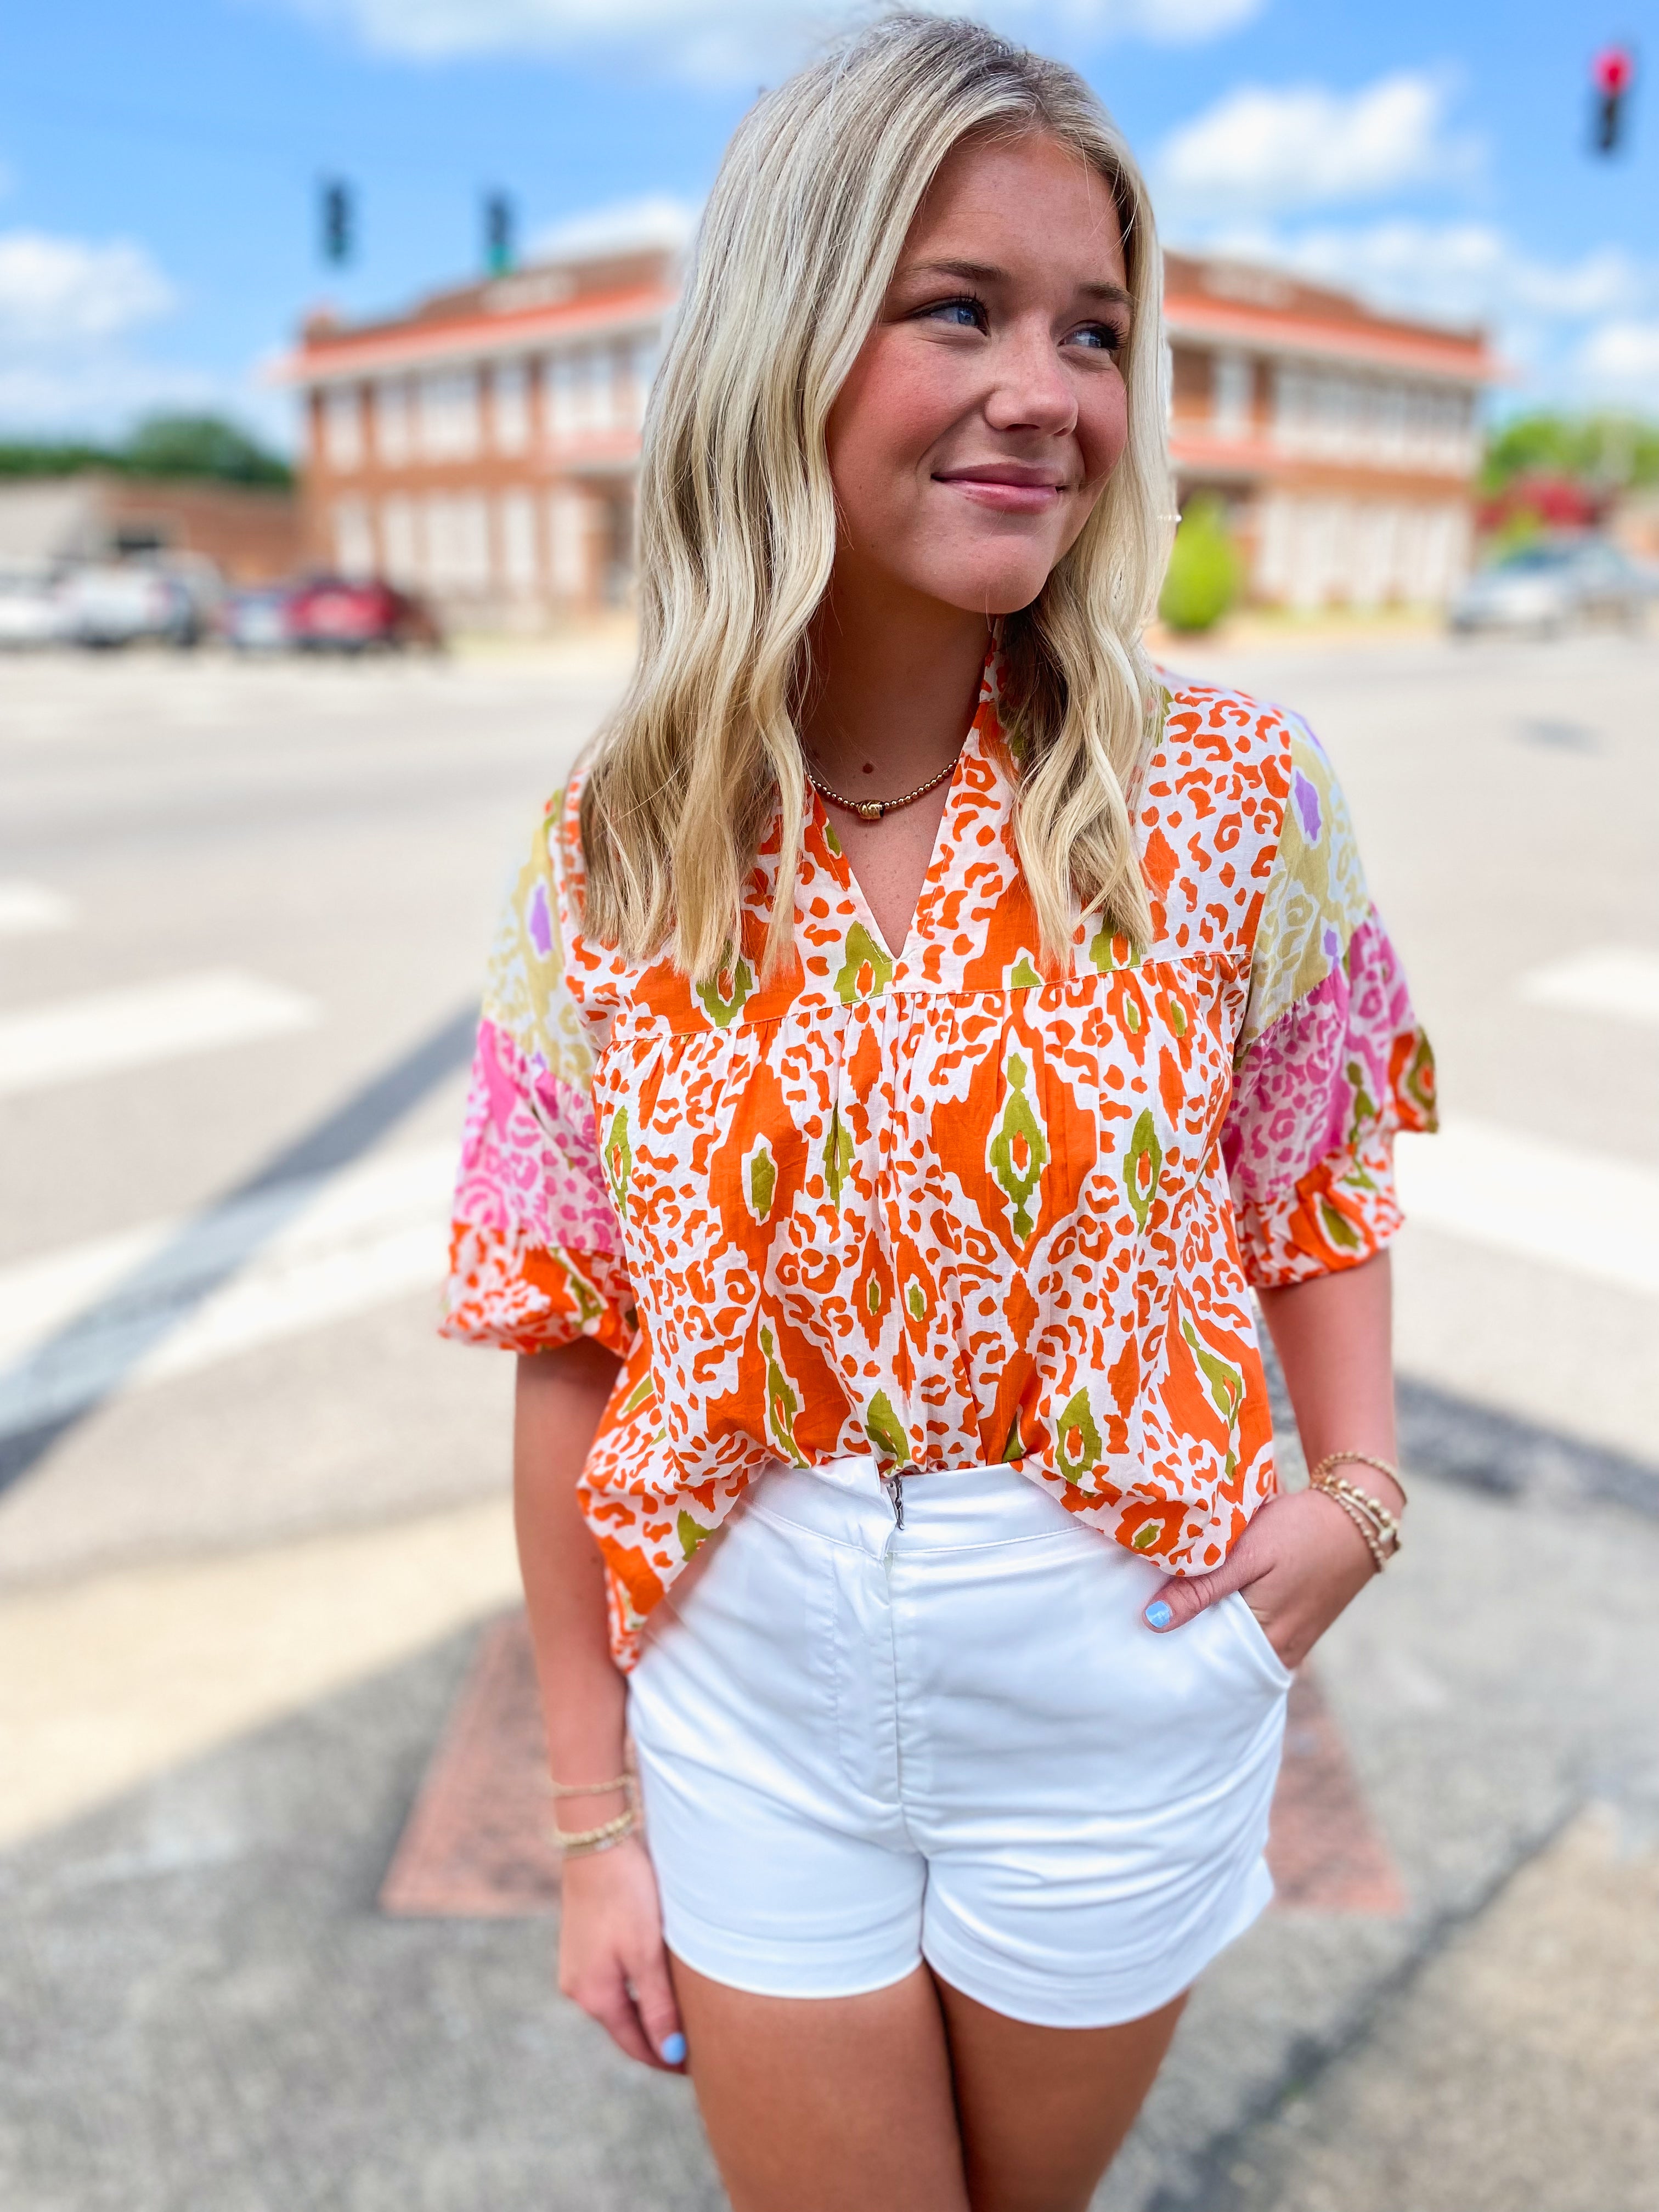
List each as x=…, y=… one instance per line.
x=498, y=233
x=337, y=223
x=1613, y=73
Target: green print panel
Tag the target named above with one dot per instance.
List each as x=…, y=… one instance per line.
x=1109, y=953
x=691, y=1534
x=1224, y=1381
x=1077, y=1440
x=760, y=1179
x=1143, y=1163
x=867, y=971
x=1019, y=1151
x=723, y=995
x=782, y=1403
x=837, y=1157
x=886, y=1431
x=619, y=1159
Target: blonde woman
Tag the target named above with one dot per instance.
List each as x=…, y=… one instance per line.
x=916, y=1031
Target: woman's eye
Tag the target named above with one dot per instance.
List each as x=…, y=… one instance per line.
x=1104, y=337
x=962, y=314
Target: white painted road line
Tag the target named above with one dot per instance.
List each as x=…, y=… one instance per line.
x=29, y=909
x=1621, y=981
x=74, y=1038
x=155, y=1302
x=1548, y=1202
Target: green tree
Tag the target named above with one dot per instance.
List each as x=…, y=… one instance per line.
x=202, y=446
x=1204, y=572
x=1607, y=448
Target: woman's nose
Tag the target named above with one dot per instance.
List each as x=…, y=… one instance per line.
x=1031, y=389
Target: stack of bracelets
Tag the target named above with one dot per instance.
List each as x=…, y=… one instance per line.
x=1379, y=1528
x=576, y=1843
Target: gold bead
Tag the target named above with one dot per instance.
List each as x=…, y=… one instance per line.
x=871, y=810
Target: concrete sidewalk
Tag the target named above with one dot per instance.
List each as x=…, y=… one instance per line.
x=207, y=2009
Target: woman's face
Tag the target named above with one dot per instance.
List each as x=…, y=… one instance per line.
x=987, y=407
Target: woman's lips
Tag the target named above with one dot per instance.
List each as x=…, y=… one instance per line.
x=1005, y=493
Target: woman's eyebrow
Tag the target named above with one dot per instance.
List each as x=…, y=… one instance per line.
x=986, y=273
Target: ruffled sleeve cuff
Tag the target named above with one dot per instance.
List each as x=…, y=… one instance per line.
x=1318, y=1101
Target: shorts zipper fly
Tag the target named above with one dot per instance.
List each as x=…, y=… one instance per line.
x=894, y=1485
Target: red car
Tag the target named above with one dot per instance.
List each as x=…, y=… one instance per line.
x=330, y=614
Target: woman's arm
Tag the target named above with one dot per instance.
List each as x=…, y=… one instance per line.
x=1301, y=1560
x=611, y=1958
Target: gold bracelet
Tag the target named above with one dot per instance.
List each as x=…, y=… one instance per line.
x=1362, y=1459
x=576, y=1843
x=590, y=1789
x=1375, y=1510
x=1373, y=1542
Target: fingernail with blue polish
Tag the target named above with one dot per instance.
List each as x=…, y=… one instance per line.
x=1158, y=1615
x=673, y=2049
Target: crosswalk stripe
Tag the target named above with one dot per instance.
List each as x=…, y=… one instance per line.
x=1621, y=981
x=106, y=1030
x=29, y=909
x=156, y=1302
x=1556, y=1204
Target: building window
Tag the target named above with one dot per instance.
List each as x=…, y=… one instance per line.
x=516, y=518
x=391, y=438
x=567, y=542
x=448, y=407
x=1233, y=391
x=560, y=387
x=510, y=395
x=343, y=428
x=641, y=367
x=399, y=543
x=457, y=543
x=354, y=538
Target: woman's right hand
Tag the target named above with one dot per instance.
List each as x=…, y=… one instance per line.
x=612, y=1960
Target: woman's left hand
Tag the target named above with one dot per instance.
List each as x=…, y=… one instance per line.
x=1298, y=1563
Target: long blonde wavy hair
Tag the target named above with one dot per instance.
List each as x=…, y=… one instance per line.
x=736, y=511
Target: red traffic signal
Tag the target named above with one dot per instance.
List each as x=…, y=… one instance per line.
x=1613, y=73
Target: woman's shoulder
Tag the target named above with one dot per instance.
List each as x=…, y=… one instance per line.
x=1217, y=727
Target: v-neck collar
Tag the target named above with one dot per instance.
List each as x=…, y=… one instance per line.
x=946, y=837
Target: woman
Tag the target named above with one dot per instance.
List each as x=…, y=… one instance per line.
x=914, y=1031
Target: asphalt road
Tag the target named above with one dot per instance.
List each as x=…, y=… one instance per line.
x=250, y=1507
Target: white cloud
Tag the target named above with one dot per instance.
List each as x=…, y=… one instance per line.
x=729, y=39
x=64, y=292
x=1620, y=361
x=1305, y=146
x=655, y=219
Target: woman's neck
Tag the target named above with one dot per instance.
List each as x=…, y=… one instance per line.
x=895, y=678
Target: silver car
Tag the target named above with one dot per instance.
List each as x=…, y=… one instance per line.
x=1555, y=585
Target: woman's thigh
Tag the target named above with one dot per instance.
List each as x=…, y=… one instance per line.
x=818, y=2104
x=910, y=2098
x=1042, y=2111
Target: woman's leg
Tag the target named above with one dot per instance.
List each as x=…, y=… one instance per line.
x=820, y=2104
x=1042, y=2110
x=815, y=2104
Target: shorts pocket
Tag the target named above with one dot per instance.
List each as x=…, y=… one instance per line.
x=1237, y=1607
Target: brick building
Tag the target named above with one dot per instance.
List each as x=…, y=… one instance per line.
x=1343, y=443
x=482, y=447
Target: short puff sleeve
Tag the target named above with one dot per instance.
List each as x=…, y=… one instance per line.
x=1331, y=1062
x=536, y=1256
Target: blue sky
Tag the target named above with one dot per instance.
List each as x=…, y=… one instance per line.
x=158, y=166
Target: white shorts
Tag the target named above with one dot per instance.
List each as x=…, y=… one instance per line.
x=861, y=1747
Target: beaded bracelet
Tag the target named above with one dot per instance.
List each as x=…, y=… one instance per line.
x=1361, y=1459
x=590, y=1788
x=1361, y=1521
x=578, y=1842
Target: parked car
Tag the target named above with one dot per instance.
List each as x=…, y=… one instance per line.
x=1552, y=586
x=256, y=620
x=31, y=609
x=338, y=615
x=126, y=602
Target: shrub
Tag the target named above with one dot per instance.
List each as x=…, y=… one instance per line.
x=1203, y=577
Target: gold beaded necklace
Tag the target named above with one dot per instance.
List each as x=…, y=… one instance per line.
x=871, y=810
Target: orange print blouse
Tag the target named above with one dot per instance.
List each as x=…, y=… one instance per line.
x=932, y=1206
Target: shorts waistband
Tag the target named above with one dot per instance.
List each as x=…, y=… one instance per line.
x=845, y=1500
